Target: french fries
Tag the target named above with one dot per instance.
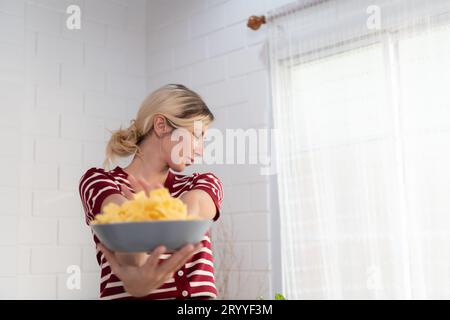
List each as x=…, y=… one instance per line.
x=160, y=205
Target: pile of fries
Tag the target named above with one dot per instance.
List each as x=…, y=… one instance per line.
x=159, y=205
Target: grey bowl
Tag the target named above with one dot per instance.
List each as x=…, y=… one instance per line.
x=146, y=236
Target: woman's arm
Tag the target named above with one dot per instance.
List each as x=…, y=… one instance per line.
x=199, y=203
x=114, y=198
x=205, y=197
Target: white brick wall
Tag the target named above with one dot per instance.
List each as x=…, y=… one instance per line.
x=37, y=287
x=60, y=90
x=37, y=231
x=11, y=99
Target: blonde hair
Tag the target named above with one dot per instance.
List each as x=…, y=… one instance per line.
x=178, y=104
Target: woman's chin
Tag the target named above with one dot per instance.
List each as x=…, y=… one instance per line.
x=178, y=167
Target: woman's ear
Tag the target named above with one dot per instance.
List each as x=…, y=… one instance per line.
x=160, y=125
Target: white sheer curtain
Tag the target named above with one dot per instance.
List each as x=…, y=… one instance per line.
x=361, y=105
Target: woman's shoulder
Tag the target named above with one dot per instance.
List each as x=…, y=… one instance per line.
x=94, y=171
x=101, y=173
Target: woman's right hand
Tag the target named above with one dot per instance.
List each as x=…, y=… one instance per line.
x=138, y=184
x=139, y=281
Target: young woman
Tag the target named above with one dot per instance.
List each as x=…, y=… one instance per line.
x=188, y=273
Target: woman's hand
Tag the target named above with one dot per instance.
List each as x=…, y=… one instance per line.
x=138, y=184
x=139, y=281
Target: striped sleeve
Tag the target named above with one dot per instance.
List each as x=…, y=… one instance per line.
x=95, y=186
x=212, y=185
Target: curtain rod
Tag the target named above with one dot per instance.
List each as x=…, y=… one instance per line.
x=255, y=22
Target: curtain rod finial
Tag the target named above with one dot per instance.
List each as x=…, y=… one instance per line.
x=255, y=22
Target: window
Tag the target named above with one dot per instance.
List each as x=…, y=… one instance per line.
x=363, y=161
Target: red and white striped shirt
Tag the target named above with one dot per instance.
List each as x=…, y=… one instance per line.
x=195, y=280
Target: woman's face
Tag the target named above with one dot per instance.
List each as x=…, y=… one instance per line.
x=183, y=145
